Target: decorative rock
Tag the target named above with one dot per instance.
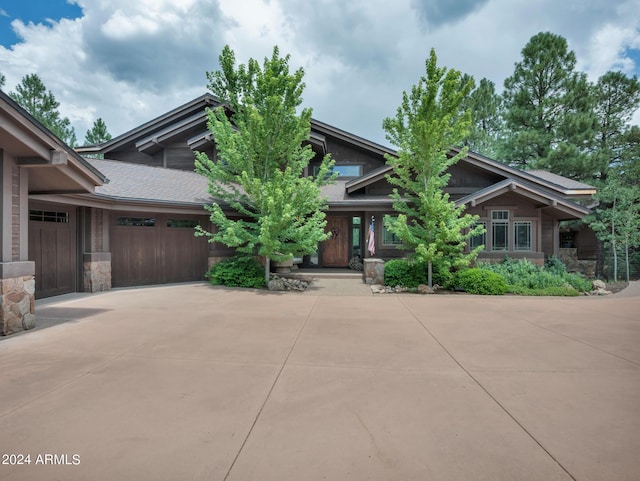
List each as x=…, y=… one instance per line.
x=598, y=285
x=277, y=283
x=378, y=289
x=425, y=289
x=28, y=321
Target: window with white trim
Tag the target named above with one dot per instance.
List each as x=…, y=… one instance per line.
x=499, y=230
x=522, y=236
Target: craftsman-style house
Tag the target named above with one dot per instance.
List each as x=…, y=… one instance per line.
x=122, y=213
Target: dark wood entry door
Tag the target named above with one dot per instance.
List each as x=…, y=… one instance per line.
x=335, y=250
x=52, y=246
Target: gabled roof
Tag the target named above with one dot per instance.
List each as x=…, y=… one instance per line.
x=193, y=112
x=546, y=180
x=165, y=121
x=54, y=166
x=563, y=207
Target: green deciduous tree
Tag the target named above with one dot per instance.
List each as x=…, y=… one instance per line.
x=617, y=223
x=262, y=156
x=97, y=134
x=32, y=95
x=428, y=123
x=486, y=115
x=549, y=115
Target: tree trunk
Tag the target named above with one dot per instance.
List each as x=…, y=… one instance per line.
x=267, y=269
x=430, y=274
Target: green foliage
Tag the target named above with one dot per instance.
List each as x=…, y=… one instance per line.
x=262, y=153
x=428, y=123
x=549, y=118
x=97, y=134
x=561, y=291
x=617, y=221
x=481, y=281
x=487, y=124
x=33, y=96
x=238, y=271
x=400, y=272
x=524, y=276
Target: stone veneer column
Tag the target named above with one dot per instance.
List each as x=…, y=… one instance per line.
x=17, y=297
x=373, y=271
x=97, y=271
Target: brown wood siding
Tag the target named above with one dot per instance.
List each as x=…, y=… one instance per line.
x=180, y=157
x=156, y=254
x=52, y=246
x=15, y=213
x=547, y=235
x=586, y=243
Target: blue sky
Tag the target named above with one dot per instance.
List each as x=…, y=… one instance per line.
x=36, y=11
x=128, y=61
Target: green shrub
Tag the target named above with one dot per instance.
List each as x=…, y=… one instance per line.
x=578, y=282
x=555, y=266
x=565, y=291
x=524, y=276
x=238, y=271
x=481, y=281
x=400, y=272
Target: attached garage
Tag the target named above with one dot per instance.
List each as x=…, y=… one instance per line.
x=149, y=248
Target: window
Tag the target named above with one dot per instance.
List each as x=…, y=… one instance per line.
x=479, y=240
x=356, y=223
x=522, y=236
x=499, y=230
x=136, y=221
x=192, y=223
x=343, y=170
x=48, y=216
x=389, y=238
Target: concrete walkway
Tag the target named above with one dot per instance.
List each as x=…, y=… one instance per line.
x=192, y=382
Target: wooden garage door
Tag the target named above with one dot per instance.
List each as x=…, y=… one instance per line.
x=52, y=246
x=156, y=250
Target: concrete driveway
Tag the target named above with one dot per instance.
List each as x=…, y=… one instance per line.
x=193, y=382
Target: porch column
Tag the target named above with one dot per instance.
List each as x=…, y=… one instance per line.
x=17, y=273
x=96, y=260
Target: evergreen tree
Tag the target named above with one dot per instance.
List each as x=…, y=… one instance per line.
x=617, y=97
x=97, y=134
x=2, y=80
x=428, y=123
x=261, y=161
x=486, y=114
x=32, y=95
x=549, y=115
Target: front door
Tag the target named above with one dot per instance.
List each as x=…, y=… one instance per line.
x=335, y=250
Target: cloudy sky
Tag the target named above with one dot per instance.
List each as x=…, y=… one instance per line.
x=129, y=61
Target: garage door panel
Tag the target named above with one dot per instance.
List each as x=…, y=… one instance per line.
x=52, y=246
x=156, y=249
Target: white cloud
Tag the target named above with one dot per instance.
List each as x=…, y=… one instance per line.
x=128, y=62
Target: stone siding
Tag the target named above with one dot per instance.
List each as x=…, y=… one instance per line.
x=17, y=304
x=373, y=271
x=97, y=272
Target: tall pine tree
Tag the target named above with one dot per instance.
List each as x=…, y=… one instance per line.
x=549, y=115
x=32, y=95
